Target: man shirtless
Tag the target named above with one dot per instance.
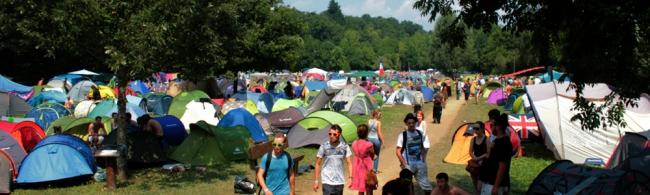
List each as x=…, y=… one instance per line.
x=147, y=124
x=96, y=132
x=443, y=188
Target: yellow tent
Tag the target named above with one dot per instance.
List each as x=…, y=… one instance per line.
x=460, y=143
x=104, y=91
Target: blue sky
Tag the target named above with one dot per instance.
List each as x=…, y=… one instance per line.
x=400, y=9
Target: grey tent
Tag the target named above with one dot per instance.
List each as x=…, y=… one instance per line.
x=79, y=91
x=321, y=100
x=305, y=133
x=286, y=118
x=361, y=105
x=264, y=122
x=632, y=153
x=7, y=171
x=11, y=105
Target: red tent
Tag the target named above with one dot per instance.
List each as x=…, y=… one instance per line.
x=27, y=133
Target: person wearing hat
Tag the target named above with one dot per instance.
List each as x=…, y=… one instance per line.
x=411, y=151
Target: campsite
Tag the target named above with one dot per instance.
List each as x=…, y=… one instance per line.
x=359, y=97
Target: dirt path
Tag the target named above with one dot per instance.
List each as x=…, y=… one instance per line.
x=388, y=163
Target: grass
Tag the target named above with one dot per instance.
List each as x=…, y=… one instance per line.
x=523, y=169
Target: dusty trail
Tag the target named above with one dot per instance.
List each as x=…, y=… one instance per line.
x=388, y=163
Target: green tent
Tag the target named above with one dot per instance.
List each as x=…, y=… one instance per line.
x=209, y=145
x=177, y=108
x=331, y=117
x=518, y=106
x=77, y=126
x=486, y=92
x=102, y=108
x=379, y=99
x=282, y=104
x=367, y=74
x=251, y=107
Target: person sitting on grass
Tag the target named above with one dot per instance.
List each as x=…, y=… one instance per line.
x=443, y=188
x=96, y=132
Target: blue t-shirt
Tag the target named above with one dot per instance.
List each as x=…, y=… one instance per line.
x=277, y=179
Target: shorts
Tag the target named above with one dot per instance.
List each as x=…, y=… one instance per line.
x=486, y=189
x=332, y=189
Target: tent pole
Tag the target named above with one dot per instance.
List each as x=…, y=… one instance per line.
x=559, y=114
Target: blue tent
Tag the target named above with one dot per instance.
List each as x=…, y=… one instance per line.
x=244, y=118
x=108, y=107
x=298, y=90
x=55, y=158
x=7, y=85
x=427, y=93
x=173, y=129
x=557, y=76
x=60, y=109
x=265, y=103
x=139, y=87
x=49, y=96
x=43, y=116
x=135, y=100
x=316, y=85
x=159, y=103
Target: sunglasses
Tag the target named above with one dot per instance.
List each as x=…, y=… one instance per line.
x=278, y=145
x=333, y=134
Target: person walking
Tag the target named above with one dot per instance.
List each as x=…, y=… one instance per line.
x=477, y=152
x=467, y=89
x=331, y=155
x=376, y=136
x=276, y=176
x=362, y=164
x=495, y=174
x=421, y=125
x=411, y=151
x=459, y=87
x=438, y=104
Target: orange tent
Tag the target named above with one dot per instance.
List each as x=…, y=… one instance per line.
x=460, y=143
x=26, y=133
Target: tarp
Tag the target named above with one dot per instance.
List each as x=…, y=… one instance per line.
x=460, y=144
x=57, y=157
x=9, y=86
x=27, y=133
x=566, y=138
x=241, y=117
x=199, y=111
x=11, y=105
x=177, y=108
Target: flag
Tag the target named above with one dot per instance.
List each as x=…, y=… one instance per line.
x=523, y=125
x=381, y=69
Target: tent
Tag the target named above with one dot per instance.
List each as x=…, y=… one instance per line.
x=342, y=100
x=9, y=172
x=9, y=86
x=401, y=96
x=518, y=106
x=313, y=129
x=493, y=85
x=144, y=147
x=158, y=103
x=210, y=145
x=322, y=99
x=361, y=105
x=552, y=103
x=77, y=126
x=45, y=115
x=177, y=107
x=139, y=87
x=12, y=105
x=83, y=108
x=13, y=148
x=173, y=130
x=47, y=96
x=228, y=106
x=84, y=72
x=632, y=153
x=27, y=133
x=138, y=101
x=316, y=85
x=497, y=96
x=106, y=92
x=565, y=177
x=241, y=117
x=80, y=90
x=427, y=93
x=55, y=158
x=460, y=144
x=337, y=84
x=557, y=76
x=282, y=104
x=510, y=101
x=199, y=111
x=286, y=118
x=315, y=73
x=107, y=107
x=72, y=79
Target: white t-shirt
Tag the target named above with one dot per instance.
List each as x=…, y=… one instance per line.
x=333, y=172
x=422, y=127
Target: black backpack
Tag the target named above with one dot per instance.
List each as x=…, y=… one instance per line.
x=268, y=164
x=404, y=141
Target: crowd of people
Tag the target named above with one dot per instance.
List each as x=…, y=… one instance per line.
x=489, y=165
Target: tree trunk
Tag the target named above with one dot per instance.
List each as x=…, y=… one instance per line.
x=122, y=80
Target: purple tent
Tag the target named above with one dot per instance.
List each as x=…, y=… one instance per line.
x=497, y=96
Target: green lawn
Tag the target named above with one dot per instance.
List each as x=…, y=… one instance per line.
x=523, y=169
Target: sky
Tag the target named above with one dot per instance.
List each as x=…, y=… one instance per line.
x=400, y=9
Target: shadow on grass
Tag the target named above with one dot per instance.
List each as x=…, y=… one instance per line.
x=155, y=178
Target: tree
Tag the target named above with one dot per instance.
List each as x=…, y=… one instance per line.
x=599, y=41
x=334, y=11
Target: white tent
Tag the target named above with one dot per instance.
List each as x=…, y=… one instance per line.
x=316, y=71
x=199, y=111
x=401, y=96
x=83, y=72
x=83, y=108
x=552, y=106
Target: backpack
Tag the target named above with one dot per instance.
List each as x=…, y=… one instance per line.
x=268, y=164
x=404, y=142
